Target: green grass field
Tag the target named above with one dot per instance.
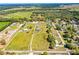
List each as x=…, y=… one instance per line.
x=3, y=25
x=40, y=41
x=13, y=27
x=18, y=15
x=21, y=41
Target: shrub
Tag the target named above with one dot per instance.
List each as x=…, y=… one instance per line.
x=67, y=35
x=75, y=52
x=50, y=38
x=58, y=27
x=70, y=46
x=52, y=44
x=3, y=42
x=44, y=53
x=10, y=53
x=1, y=52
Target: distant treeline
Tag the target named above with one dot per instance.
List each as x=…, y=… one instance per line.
x=45, y=12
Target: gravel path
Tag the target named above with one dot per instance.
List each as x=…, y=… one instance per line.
x=32, y=40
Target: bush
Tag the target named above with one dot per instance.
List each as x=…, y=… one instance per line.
x=10, y=53
x=1, y=52
x=58, y=27
x=70, y=46
x=6, y=32
x=67, y=35
x=52, y=45
x=75, y=52
x=69, y=40
x=50, y=38
x=48, y=31
x=44, y=53
x=3, y=42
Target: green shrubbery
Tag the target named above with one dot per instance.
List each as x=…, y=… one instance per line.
x=44, y=53
x=70, y=46
x=50, y=38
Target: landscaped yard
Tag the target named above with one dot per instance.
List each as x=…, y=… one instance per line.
x=3, y=25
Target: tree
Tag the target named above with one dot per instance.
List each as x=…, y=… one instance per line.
x=66, y=35
x=76, y=51
x=3, y=42
x=51, y=41
x=69, y=40
x=10, y=53
x=6, y=32
x=49, y=24
x=52, y=44
x=58, y=27
x=70, y=46
x=1, y=52
x=50, y=38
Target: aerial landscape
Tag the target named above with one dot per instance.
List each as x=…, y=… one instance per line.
x=39, y=29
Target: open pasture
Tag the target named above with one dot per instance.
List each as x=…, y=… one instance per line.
x=3, y=25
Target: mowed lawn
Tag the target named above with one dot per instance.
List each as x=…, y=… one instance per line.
x=39, y=40
x=22, y=40
x=3, y=25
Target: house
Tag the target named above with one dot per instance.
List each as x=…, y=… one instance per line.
x=37, y=28
x=77, y=32
x=76, y=38
x=25, y=30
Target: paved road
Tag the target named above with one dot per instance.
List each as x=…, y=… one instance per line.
x=58, y=34
x=61, y=38
x=39, y=52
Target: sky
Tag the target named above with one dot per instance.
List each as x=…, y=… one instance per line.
x=39, y=1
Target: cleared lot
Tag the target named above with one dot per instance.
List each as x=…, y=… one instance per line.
x=40, y=35
x=22, y=39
